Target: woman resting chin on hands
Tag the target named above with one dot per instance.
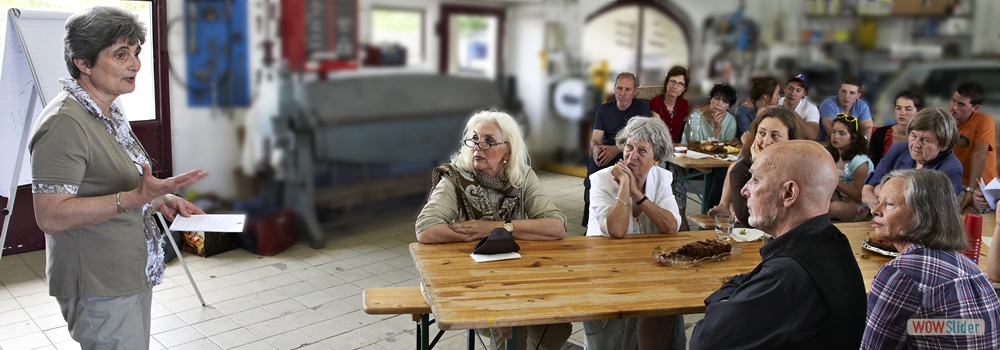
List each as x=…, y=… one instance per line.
x=635, y=196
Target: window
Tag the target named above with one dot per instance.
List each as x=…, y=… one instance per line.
x=140, y=104
x=402, y=28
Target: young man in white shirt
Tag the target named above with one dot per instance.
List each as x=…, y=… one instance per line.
x=795, y=99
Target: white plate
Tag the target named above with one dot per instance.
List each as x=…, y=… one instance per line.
x=752, y=234
x=875, y=249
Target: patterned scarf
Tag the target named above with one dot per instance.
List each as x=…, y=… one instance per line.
x=473, y=197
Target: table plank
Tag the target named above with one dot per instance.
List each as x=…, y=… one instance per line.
x=617, y=278
x=588, y=278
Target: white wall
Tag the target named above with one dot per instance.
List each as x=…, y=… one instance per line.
x=200, y=139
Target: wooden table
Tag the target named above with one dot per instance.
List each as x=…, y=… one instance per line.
x=704, y=167
x=588, y=278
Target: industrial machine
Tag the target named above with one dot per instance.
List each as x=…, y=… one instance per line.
x=360, y=138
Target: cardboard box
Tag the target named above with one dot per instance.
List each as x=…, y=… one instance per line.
x=922, y=7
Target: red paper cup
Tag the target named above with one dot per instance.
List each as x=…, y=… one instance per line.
x=974, y=232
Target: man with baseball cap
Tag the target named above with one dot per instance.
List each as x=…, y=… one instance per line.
x=796, y=91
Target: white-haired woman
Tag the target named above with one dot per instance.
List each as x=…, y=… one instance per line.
x=635, y=196
x=489, y=184
x=917, y=212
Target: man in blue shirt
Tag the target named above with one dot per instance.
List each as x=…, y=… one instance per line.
x=610, y=118
x=847, y=101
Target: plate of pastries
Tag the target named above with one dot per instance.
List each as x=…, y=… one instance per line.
x=880, y=246
x=695, y=253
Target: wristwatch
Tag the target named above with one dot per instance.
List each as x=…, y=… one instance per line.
x=967, y=189
x=508, y=226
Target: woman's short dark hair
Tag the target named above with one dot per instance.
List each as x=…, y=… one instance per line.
x=97, y=28
x=938, y=121
x=724, y=91
x=762, y=87
x=918, y=101
x=675, y=71
x=858, y=145
x=936, y=226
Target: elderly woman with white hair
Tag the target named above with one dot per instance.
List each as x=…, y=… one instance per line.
x=635, y=196
x=917, y=212
x=489, y=184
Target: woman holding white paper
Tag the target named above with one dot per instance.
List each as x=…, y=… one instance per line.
x=94, y=191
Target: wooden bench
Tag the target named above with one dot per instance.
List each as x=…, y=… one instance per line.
x=703, y=221
x=402, y=301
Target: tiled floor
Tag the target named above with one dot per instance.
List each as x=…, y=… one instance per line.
x=300, y=299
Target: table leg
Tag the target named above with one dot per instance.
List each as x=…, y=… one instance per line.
x=472, y=339
x=423, y=332
x=706, y=190
x=692, y=174
x=512, y=342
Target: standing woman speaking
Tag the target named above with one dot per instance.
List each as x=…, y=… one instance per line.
x=94, y=191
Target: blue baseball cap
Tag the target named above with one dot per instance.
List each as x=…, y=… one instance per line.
x=800, y=78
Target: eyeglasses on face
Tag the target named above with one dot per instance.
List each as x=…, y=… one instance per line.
x=471, y=143
x=672, y=82
x=848, y=118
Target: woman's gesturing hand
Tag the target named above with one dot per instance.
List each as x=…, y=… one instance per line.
x=152, y=188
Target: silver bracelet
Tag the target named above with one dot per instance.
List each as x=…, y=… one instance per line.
x=118, y=202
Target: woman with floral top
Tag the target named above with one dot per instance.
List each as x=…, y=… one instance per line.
x=94, y=192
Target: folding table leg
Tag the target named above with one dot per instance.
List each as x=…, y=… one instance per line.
x=180, y=257
x=423, y=333
x=512, y=342
x=472, y=339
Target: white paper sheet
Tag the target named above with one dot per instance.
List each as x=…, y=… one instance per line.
x=991, y=192
x=210, y=223
x=697, y=155
x=987, y=240
x=494, y=257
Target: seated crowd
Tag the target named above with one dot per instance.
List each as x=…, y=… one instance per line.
x=801, y=167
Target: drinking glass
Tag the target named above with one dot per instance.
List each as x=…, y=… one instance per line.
x=723, y=226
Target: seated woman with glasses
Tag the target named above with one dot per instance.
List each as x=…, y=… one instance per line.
x=931, y=134
x=634, y=196
x=489, y=184
x=849, y=150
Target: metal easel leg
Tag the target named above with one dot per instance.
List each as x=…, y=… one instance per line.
x=180, y=256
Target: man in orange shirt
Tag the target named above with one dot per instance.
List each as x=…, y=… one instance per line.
x=977, y=140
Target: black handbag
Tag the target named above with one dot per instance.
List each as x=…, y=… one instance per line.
x=499, y=241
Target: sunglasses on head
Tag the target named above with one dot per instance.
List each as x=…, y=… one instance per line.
x=848, y=118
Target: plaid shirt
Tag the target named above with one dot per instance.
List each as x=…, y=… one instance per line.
x=925, y=283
